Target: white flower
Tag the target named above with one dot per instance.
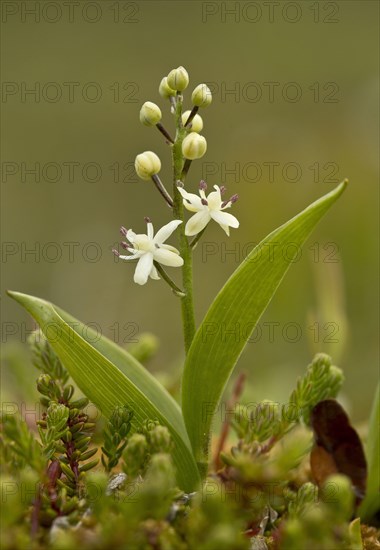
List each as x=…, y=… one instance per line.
x=208, y=208
x=149, y=248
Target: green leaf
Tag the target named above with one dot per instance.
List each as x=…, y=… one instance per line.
x=371, y=502
x=354, y=532
x=110, y=377
x=241, y=302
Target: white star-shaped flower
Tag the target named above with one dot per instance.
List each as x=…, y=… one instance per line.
x=208, y=208
x=149, y=248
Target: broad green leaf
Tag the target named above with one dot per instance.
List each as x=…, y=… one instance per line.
x=109, y=377
x=371, y=502
x=241, y=302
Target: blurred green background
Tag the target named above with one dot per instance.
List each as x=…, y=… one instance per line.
x=322, y=61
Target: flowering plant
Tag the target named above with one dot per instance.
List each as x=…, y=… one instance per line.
x=210, y=359
x=113, y=379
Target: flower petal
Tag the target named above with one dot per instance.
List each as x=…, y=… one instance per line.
x=165, y=231
x=223, y=218
x=143, y=268
x=167, y=257
x=154, y=274
x=197, y=222
x=214, y=200
x=134, y=256
x=226, y=229
x=169, y=247
x=131, y=235
x=142, y=243
x=150, y=230
x=191, y=202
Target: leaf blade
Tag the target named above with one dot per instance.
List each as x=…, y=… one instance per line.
x=109, y=377
x=371, y=502
x=241, y=301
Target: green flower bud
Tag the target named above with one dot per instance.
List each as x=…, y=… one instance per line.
x=135, y=454
x=194, y=146
x=160, y=474
x=322, y=360
x=150, y=114
x=178, y=79
x=57, y=415
x=28, y=483
x=314, y=523
x=337, y=378
x=201, y=96
x=147, y=164
x=36, y=340
x=165, y=90
x=294, y=534
x=338, y=495
x=145, y=348
x=96, y=487
x=44, y=384
x=160, y=440
x=196, y=123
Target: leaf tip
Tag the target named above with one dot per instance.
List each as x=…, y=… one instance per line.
x=344, y=184
x=14, y=295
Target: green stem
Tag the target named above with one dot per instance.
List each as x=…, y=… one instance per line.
x=197, y=238
x=177, y=291
x=187, y=304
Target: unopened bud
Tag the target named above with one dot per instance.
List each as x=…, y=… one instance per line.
x=338, y=495
x=44, y=384
x=201, y=96
x=194, y=146
x=165, y=90
x=161, y=472
x=196, y=123
x=178, y=79
x=150, y=114
x=336, y=376
x=147, y=164
x=135, y=454
x=160, y=440
x=57, y=415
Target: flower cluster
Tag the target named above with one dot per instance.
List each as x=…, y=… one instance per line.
x=150, y=251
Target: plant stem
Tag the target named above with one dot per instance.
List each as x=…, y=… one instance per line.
x=197, y=238
x=185, y=169
x=236, y=393
x=177, y=291
x=162, y=190
x=187, y=304
x=194, y=111
x=164, y=132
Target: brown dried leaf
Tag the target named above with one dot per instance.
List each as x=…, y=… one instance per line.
x=338, y=448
